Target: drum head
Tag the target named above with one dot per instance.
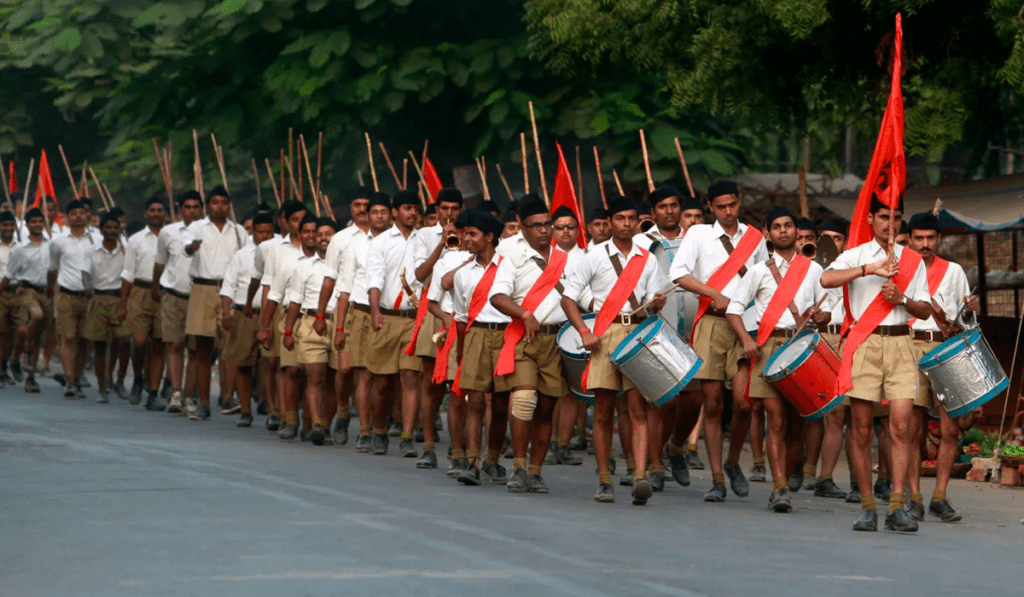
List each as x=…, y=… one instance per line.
x=635, y=340
x=790, y=355
x=948, y=349
x=568, y=339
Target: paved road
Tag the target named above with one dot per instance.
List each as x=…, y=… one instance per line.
x=112, y=500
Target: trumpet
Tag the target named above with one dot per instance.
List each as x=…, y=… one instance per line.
x=809, y=250
x=452, y=241
x=770, y=246
x=646, y=225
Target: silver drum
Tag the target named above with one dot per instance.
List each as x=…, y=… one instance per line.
x=680, y=306
x=964, y=372
x=574, y=357
x=657, y=360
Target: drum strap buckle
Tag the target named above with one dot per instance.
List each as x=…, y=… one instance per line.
x=625, y=318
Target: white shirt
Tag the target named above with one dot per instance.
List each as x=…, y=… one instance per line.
x=596, y=271
x=466, y=280
x=512, y=245
x=338, y=246
x=516, y=276
x=423, y=242
x=655, y=233
x=107, y=267
x=759, y=286
x=70, y=257
x=448, y=262
x=353, y=277
x=139, y=254
x=239, y=274
x=5, y=253
x=950, y=295
x=280, y=258
x=211, y=260
x=576, y=257
x=864, y=290
x=389, y=256
x=29, y=263
x=701, y=253
x=305, y=281
x=170, y=253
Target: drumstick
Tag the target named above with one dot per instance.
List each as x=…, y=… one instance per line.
x=806, y=316
x=647, y=304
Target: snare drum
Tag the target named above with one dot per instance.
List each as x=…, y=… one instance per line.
x=657, y=360
x=964, y=372
x=575, y=357
x=804, y=371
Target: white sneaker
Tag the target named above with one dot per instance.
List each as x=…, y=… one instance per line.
x=175, y=404
x=190, y=407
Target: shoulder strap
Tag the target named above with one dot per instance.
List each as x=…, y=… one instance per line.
x=729, y=249
x=774, y=269
x=617, y=265
x=543, y=265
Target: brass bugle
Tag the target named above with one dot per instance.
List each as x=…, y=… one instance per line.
x=452, y=241
x=809, y=250
x=646, y=225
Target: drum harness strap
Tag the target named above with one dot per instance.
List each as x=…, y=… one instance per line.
x=617, y=265
x=774, y=269
x=729, y=249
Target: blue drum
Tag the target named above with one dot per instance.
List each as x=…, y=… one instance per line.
x=964, y=372
x=657, y=360
x=575, y=358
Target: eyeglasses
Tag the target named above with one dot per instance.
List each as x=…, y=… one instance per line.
x=538, y=226
x=569, y=227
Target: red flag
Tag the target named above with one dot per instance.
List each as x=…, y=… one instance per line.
x=45, y=181
x=431, y=178
x=565, y=194
x=13, y=176
x=887, y=175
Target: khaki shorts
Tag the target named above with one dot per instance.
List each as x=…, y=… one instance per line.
x=33, y=299
x=759, y=388
x=884, y=367
x=275, y=336
x=385, y=350
x=240, y=346
x=289, y=358
x=357, y=337
x=312, y=348
x=203, y=318
x=143, y=313
x=602, y=373
x=332, y=331
x=480, y=352
x=173, y=313
x=102, y=319
x=71, y=314
x=425, y=347
x=925, y=396
x=719, y=348
x=13, y=312
x=832, y=340
x=539, y=364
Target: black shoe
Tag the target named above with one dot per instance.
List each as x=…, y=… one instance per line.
x=153, y=402
x=537, y=484
x=519, y=482
x=455, y=468
x=395, y=430
x=339, y=432
x=202, y=414
x=642, y=492
x=900, y=521
x=757, y=474
x=854, y=496
x=693, y=461
x=57, y=377
x=245, y=420
x=261, y=407
x=627, y=479
x=363, y=444
x=495, y=473
x=552, y=455
x=406, y=449
x=611, y=465
x=304, y=435
x=796, y=477
x=470, y=475
x=417, y=436
x=680, y=472
x=565, y=456
x=428, y=460
x=944, y=511
x=916, y=511
x=135, y=396
x=16, y=372
x=79, y=395
x=657, y=481
x=810, y=483
x=31, y=386
x=737, y=481
x=288, y=432
x=317, y=435
x=867, y=520
x=379, y=444
x=829, y=489
x=781, y=501
x=165, y=390
x=578, y=443
x=230, y=407
x=120, y=391
x=5, y=379
x=273, y=423
x=506, y=446
x=882, y=490
x=716, y=493
x=605, y=494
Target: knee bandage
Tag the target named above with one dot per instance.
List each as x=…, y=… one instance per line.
x=523, y=404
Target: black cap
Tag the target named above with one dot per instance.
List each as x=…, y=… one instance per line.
x=924, y=221
x=110, y=216
x=449, y=195
x=292, y=207
x=155, y=200
x=621, y=203
x=688, y=203
x=6, y=216
x=327, y=222
x=183, y=197
x=776, y=212
x=35, y=212
x=379, y=198
x=360, y=193
x=510, y=216
x=308, y=219
x=662, y=193
x=805, y=224
x=528, y=198
x=722, y=187
x=563, y=212
x=405, y=198
x=263, y=217
x=218, y=191
x=431, y=209
x=490, y=206
x=599, y=213
x=532, y=208
x=904, y=228
x=483, y=220
x=76, y=204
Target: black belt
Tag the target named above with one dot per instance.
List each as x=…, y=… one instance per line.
x=360, y=307
x=892, y=330
x=11, y=287
x=143, y=284
x=834, y=328
x=494, y=327
x=39, y=289
x=548, y=329
x=782, y=333
x=715, y=312
x=242, y=308
x=72, y=292
x=116, y=293
x=312, y=313
x=406, y=313
x=929, y=336
x=173, y=292
x=207, y=282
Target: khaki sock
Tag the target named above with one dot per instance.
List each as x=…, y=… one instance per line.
x=381, y=431
x=896, y=501
x=691, y=447
x=824, y=478
x=491, y=456
x=604, y=478
x=428, y=446
x=718, y=478
x=673, y=450
x=291, y=418
x=534, y=469
x=639, y=474
x=759, y=461
x=518, y=463
x=883, y=475
x=458, y=454
x=406, y=435
x=271, y=409
x=364, y=430
x=779, y=483
x=917, y=498
x=867, y=502
x=731, y=461
x=658, y=467
x=630, y=464
x=938, y=495
x=810, y=470
x=563, y=442
x=473, y=456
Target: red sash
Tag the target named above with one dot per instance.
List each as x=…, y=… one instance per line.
x=421, y=312
x=441, y=363
x=538, y=292
x=476, y=304
x=725, y=273
x=935, y=275
x=872, y=317
x=618, y=296
x=398, y=301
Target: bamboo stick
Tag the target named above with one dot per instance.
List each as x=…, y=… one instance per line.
x=291, y=158
x=3, y=178
x=256, y=177
x=110, y=197
x=526, y=167
x=387, y=159
x=419, y=171
x=67, y=167
x=618, y=184
x=504, y=182
x=405, y=173
x=483, y=179
x=28, y=188
x=291, y=180
x=219, y=151
x=163, y=172
x=45, y=209
x=647, y=161
x=373, y=170
x=273, y=183
x=309, y=173
x=600, y=178
x=168, y=163
x=284, y=190
x=197, y=168
x=359, y=178
x=99, y=188
x=686, y=171
x=83, y=183
x=540, y=164
x=319, y=162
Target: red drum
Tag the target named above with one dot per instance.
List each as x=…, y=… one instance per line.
x=804, y=371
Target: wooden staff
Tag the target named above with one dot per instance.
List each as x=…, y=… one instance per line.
x=600, y=178
x=647, y=161
x=618, y=184
x=197, y=172
x=168, y=163
x=327, y=206
x=426, y=145
x=359, y=178
x=405, y=173
x=273, y=183
x=504, y=182
x=391, y=167
x=526, y=167
x=46, y=210
x=540, y=164
x=110, y=197
x=28, y=188
x=373, y=170
x=282, y=187
x=686, y=171
x=163, y=172
x=67, y=167
x=309, y=173
x=3, y=178
x=419, y=171
x=483, y=179
x=99, y=188
x=224, y=180
x=291, y=179
x=319, y=161
x=83, y=183
x=579, y=179
x=291, y=159
x=256, y=177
